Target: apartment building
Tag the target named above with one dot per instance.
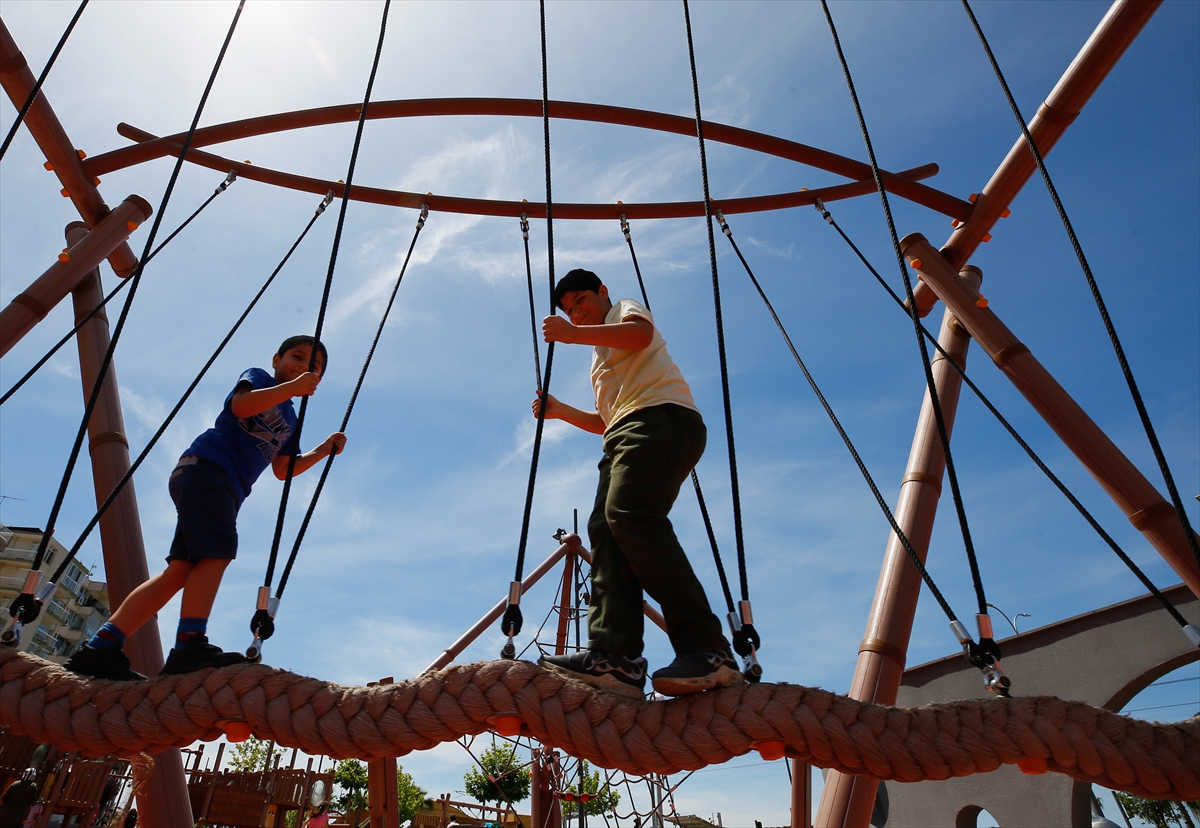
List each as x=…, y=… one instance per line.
x=78, y=608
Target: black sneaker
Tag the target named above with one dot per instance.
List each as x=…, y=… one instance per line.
x=108, y=663
x=608, y=671
x=198, y=654
x=694, y=672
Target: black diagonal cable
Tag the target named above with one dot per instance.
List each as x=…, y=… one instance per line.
x=135, y=280
x=862, y=467
x=337, y=240
x=939, y=417
x=120, y=286
x=541, y=419
x=708, y=527
x=112, y=496
x=362, y=375
x=537, y=359
x=716, y=284
x=1053, y=478
x=37, y=86
x=1126, y=371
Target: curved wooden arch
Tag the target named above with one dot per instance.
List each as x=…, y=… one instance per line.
x=905, y=185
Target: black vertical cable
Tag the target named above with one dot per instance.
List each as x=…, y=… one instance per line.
x=337, y=240
x=1126, y=371
x=537, y=359
x=135, y=280
x=37, y=86
x=916, y=319
x=712, y=256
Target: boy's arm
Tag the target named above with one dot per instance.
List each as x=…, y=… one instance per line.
x=587, y=420
x=631, y=334
x=247, y=401
x=333, y=444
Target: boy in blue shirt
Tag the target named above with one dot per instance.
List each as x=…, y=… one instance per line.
x=208, y=485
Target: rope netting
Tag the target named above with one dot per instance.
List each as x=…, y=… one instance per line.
x=939, y=741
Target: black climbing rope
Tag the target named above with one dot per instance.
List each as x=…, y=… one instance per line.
x=26, y=606
x=754, y=670
x=1000, y=418
x=986, y=654
x=262, y=624
x=537, y=359
x=510, y=622
x=746, y=640
x=116, y=490
x=37, y=86
x=337, y=240
x=1126, y=371
x=229, y=179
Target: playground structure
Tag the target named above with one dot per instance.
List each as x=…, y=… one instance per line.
x=259, y=695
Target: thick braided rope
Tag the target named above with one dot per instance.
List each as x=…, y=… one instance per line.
x=49, y=704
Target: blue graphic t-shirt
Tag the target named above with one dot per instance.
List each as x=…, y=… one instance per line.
x=245, y=447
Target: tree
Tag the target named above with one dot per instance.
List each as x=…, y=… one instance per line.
x=252, y=755
x=499, y=778
x=351, y=777
x=1161, y=813
x=409, y=796
x=600, y=800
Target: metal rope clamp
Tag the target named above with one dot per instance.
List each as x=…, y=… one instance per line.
x=746, y=642
x=263, y=622
x=26, y=607
x=985, y=655
x=510, y=624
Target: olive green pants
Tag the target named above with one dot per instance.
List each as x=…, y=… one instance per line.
x=647, y=456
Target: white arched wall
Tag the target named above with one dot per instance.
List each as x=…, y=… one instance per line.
x=1104, y=657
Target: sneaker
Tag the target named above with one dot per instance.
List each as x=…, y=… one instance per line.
x=198, y=654
x=108, y=663
x=608, y=671
x=695, y=672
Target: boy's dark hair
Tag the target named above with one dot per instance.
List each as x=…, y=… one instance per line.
x=305, y=339
x=577, y=279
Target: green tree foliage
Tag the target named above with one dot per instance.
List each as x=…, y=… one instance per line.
x=351, y=777
x=1161, y=813
x=252, y=755
x=409, y=796
x=499, y=777
x=601, y=799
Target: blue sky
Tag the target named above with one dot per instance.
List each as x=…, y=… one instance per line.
x=416, y=534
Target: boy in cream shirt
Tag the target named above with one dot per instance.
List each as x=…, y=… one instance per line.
x=653, y=437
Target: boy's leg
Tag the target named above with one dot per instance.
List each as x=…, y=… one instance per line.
x=615, y=620
x=653, y=451
x=149, y=597
x=201, y=588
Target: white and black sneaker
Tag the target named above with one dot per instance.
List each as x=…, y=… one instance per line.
x=695, y=672
x=615, y=673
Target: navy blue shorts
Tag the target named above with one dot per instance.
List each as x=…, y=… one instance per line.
x=207, y=506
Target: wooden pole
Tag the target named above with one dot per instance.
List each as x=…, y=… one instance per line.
x=848, y=799
x=565, y=605
x=1147, y=510
x=801, y=794
x=1119, y=27
x=163, y=800
x=61, y=154
x=80, y=259
x=383, y=797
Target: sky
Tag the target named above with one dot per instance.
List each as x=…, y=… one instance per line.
x=416, y=534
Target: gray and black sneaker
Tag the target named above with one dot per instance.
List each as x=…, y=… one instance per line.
x=615, y=673
x=109, y=663
x=198, y=654
x=695, y=672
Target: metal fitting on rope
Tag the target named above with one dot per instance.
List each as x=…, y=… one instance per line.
x=625, y=228
x=724, y=226
x=820, y=205
x=325, y=202
x=525, y=226
x=1193, y=634
x=510, y=624
x=989, y=651
x=229, y=179
x=26, y=607
x=746, y=642
x=262, y=624
x=424, y=215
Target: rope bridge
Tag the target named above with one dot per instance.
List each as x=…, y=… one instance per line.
x=49, y=704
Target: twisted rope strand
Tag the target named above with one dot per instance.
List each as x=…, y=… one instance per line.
x=51, y=705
